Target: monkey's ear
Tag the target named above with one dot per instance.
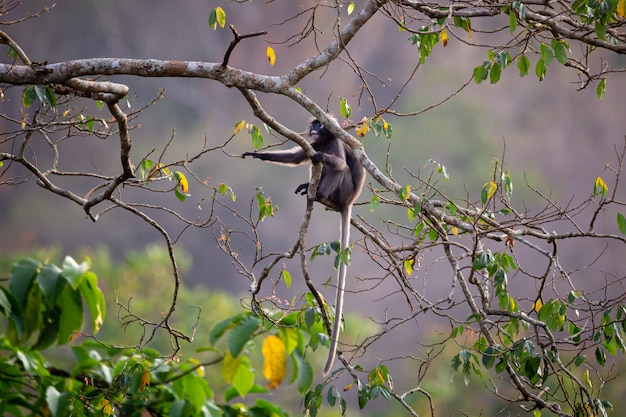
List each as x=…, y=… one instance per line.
x=317, y=158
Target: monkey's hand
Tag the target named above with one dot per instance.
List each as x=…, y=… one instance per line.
x=317, y=158
x=252, y=154
x=302, y=188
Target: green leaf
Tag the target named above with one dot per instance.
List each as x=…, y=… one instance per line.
x=51, y=283
x=12, y=54
x=512, y=21
x=287, y=277
x=73, y=272
x=241, y=334
x=523, y=65
x=507, y=184
x=94, y=299
x=195, y=390
x=601, y=89
x=363, y=394
x=29, y=96
x=488, y=190
x=51, y=98
x=50, y=329
x=600, y=356
x=220, y=328
x=344, y=108
x=303, y=372
x=180, y=195
x=600, y=29
x=540, y=69
x=374, y=203
x=5, y=304
x=494, y=74
x=621, y=223
x=546, y=54
x=71, y=317
x=217, y=16
x=224, y=188
x=489, y=357
x=481, y=72
x=257, y=138
x=243, y=380
x=579, y=360
x=560, y=50
x=20, y=279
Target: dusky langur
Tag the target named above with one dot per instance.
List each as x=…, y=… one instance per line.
x=339, y=186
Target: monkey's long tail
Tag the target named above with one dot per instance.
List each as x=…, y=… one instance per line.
x=344, y=226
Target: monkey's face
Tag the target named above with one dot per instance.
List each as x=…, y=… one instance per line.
x=316, y=130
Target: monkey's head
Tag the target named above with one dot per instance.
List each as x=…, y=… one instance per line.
x=318, y=131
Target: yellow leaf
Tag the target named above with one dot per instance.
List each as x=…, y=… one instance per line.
x=537, y=304
x=454, y=230
x=350, y=8
x=621, y=8
x=107, y=408
x=182, y=181
x=199, y=369
x=271, y=55
x=587, y=378
x=600, y=187
x=405, y=192
x=491, y=189
x=238, y=126
x=444, y=37
x=230, y=365
x=274, y=361
x=408, y=265
x=362, y=130
x=220, y=16
x=145, y=379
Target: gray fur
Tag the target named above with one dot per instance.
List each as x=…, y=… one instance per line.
x=340, y=185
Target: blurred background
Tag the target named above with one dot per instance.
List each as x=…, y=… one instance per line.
x=552, y=135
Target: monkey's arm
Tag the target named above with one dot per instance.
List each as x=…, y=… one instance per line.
x=293, y=156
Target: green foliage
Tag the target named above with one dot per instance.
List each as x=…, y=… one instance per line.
x=380, y=126
x=217, y=17
x=45, y=95
x=516, y=351
x=42, y=305
x=498, y=61
x=344, y=108
x=149, y=170
x=425, y=40
x=493, y=67
x=601, y=89
x=621, y=223
x=264, y=204
x=43, y=302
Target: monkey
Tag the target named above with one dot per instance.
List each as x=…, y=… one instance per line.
x=339, y=186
